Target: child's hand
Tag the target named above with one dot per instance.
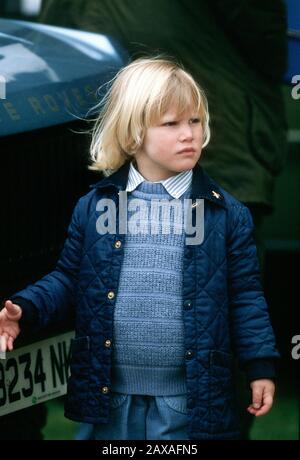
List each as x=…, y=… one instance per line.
x=9, y=325
x=262, y=397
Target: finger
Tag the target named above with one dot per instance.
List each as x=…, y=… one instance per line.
x=8, y=304
x=267, y=405
x=3, y=343
x=257, y=398
x=13, y=310
x=5, y=339
x=251, y=410
x=263, y=410
x=10, y=342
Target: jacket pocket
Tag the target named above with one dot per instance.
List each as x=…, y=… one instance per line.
x=80, y=366
x=220, y=375
x=223, y=408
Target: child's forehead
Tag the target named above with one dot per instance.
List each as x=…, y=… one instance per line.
x=175, y=111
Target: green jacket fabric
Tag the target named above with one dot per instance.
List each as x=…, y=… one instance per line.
x=236, y=49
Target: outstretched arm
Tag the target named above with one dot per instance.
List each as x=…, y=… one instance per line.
x=51, y=299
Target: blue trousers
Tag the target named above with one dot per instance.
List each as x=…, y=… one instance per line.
x=144, y=417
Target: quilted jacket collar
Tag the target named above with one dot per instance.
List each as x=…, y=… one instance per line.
x=202, y=185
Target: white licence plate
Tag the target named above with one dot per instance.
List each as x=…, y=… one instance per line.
x=35, y=373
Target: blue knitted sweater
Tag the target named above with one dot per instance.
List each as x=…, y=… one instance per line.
x=148, y=352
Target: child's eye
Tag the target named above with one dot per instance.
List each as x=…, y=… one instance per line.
x=170, y=123
x=195, y=120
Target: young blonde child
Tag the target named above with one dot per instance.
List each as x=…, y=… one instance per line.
x=160, y=266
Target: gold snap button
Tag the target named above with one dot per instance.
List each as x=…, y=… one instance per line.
x=216, y=195
x=107, y=343
x=111, y=295
x=104, y=390
x=118, y=244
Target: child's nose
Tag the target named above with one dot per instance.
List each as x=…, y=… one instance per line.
x=186, y=133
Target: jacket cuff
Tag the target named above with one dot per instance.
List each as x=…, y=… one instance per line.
x=29, y=318
x=260, y=369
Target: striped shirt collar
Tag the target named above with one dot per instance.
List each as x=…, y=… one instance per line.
x=175, y=185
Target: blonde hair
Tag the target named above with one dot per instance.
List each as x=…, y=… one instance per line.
x=138, y=96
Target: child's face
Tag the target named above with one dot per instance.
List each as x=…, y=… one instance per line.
x=161, y=155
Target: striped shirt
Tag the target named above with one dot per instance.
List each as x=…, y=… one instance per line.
x=176, y=185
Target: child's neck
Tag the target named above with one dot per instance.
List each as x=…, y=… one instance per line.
x=154, y=176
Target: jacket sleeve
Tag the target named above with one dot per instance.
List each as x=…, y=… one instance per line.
x=50, y=300
x=252, y=333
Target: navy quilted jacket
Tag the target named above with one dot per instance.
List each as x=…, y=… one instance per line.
x=224, y=309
